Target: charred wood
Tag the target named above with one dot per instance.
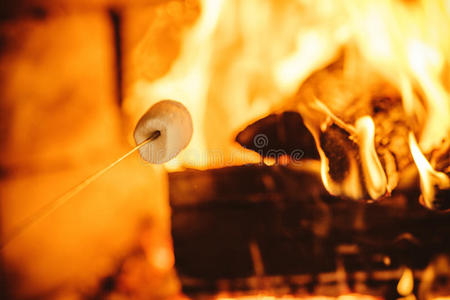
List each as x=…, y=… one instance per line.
x=252, y=228
x=281, y=132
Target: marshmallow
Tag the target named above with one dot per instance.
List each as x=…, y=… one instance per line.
x=174, y=123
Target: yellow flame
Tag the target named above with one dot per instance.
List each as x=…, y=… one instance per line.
x=429, y=178
x=188, y=77
x=244, y=59
x=237, y=62
x=426, y=64
x=406, y=283
x=363, y=133
x=374, y=175
x=405, y=42
x=317, y=118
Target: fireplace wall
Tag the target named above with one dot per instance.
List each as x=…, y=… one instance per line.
x=64, y=69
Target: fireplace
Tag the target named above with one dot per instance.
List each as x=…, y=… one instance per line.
x=318, y=166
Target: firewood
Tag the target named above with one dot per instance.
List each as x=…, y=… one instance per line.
x=252, y=228
x=283, y=133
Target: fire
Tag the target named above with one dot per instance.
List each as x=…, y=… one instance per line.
x=429, y=178
x=318, y=119
x=372, y=169
x=240, y=61
x=406, y=283
x=226, y=74
x=264, y=297
x=244, y=59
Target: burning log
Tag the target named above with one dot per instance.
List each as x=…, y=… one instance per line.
x=258, y=228
x=285, y=131
x=359, y=130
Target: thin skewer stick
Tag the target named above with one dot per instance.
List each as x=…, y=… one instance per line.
x=53, y=205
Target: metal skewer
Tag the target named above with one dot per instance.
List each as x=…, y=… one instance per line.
x=53, y=205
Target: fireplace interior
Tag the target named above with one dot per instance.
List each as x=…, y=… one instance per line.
x=305, y=154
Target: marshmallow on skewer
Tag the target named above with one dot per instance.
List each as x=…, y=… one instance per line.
x=174, y=123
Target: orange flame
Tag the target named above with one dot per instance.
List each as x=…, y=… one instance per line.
x=373, y=171
x=244, y=59
x=429, y=178
x=406, y=283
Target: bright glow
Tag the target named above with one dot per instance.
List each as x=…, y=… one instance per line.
x=406, y=283
x=429, y=178
x=244, y=59
x=374, y=176
x=239, y=61
x=426, y=64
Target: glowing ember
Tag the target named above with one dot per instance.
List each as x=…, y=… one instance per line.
x=406, y=283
